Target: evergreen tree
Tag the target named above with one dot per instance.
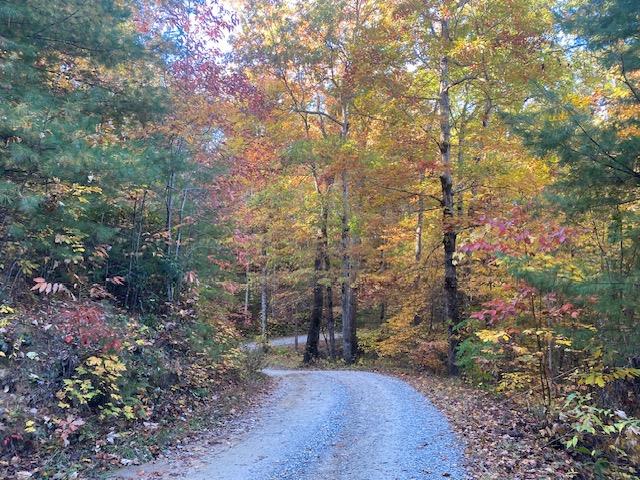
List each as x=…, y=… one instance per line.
x=591, y=124
x=84, y=162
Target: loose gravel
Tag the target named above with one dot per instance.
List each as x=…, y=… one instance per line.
x=334, y=425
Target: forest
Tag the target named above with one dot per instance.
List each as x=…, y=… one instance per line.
x=444, y=191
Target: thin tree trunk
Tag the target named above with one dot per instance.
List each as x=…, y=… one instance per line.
x=133, y=235
x=331, y=323
x=326, y=264
x=168, y=229
x=383, y=302
x=296, y=328
x=139, y=241
x=461, y=134
x=420, y=220
x=176, y=252
x=134, y=259
x=263, y=303
x=451, y=307
x=246, y=291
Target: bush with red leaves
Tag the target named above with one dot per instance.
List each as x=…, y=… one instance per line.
x=86, y=326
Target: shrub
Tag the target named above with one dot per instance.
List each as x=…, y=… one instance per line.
x=430, y=356
x=608, y=440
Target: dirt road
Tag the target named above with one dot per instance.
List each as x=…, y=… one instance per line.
x=290, y=341
x=329, y=425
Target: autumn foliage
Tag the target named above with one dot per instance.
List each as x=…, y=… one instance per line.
x=447, y=186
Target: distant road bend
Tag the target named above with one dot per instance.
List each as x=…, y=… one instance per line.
x=328, y=425
x=287, y=341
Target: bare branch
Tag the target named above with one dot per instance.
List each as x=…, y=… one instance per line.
x=318, y=112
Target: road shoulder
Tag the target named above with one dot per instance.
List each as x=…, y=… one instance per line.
x=228, y=418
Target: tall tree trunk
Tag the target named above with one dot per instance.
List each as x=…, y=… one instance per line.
x=177, y=288
x=183, y=203
x=296, y=327
x=263, y=303
x=331, y=322
x=136, y=250
x=451, y=307
x=246, y=291
x=313, y=334
x=419, y=220
x=461, y=135
x=134, y=229
x=326, y=265
x=383, y=302
x=169, y=230
x=349, y=339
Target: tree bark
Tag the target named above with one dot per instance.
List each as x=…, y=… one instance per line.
x=246, y=292
x=451, y=307
x=313, y=334
x=296, y=329
x=177, y=287
x=321, y=267
x=420, y=220
x=349, y=339
x=461, y=135
x=326, y=265
x=169, y=228
x=331, y=322
x=263, y=303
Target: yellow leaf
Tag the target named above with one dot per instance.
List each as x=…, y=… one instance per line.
x=492, y=336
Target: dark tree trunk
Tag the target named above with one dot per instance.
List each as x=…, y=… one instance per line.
x=349, y=342
x=451, y=307
x=331, y=323
x=349, y=293
x=313, y=334
x=263, y=303
x=419, y=221
x=326, y=265
x=296, y=332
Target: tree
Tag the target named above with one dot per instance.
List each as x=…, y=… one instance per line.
x=589, y=122
x=96, y=108
x=462, y=63
x=317, y=53
x=78, y=88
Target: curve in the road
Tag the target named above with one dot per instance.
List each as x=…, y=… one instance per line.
x=285, y=341
x=338, y=425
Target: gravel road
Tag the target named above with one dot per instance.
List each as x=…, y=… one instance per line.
x=329, y=425
x=289, y=341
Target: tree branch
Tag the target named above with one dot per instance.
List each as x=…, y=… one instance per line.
x=318, y=112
